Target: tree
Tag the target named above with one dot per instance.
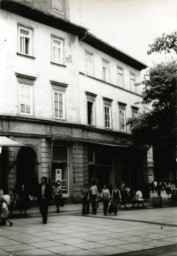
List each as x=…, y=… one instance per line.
x=157, y=127
x=164, y=43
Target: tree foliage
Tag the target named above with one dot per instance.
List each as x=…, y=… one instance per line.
x=158, y=125
x=164, y=43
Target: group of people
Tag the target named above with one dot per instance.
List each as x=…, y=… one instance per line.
x=45, y=193
x=163, y=185
x=112, y=199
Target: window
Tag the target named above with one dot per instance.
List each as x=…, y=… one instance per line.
x=25, y=99
x=58, y=5
x=106, y=71
x=134, y=112
x=120, y=77
x=133, y=87
x=25, y=38
x=59, y=110
x=89, y=63
x=122, y=117
x=57, y=50
x=90, y=108
x=107, y=113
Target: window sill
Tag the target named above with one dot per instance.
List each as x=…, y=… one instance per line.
x=108, y=128
x=24, y=55
x=58, y=64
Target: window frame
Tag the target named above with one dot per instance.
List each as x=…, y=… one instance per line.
x=92, y=63
x=122, y=107
x=61, y=62
x=107, y=104
x=106, y=79
x=120, y=68
x=26, y=85
x=135, y=111
x=63, y=98
x=30, y=30
x=134, y=87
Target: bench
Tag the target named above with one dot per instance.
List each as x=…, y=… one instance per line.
x=133, y=202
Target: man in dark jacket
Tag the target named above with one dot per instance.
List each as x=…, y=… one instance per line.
x=44, y=197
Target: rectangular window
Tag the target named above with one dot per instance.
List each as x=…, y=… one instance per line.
x=133, y=87
x=89, y=63
x=57, y=50
x=25, y=99
x=107, y=116
x=122, y=118
x=106, y=71
x=134, y=112
x=91, y=112
x=25, y=40
x=120, y=77
x=58, y=5
x=59, y=107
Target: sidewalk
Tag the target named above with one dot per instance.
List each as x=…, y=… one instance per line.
x=68, y=233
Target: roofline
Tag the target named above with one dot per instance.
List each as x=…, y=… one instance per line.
x=72, y=28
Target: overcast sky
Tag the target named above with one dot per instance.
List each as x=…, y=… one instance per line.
x=129, y=25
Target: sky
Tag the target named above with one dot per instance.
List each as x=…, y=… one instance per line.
x=129, y=25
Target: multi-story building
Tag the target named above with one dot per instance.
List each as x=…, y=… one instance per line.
x=65, y=95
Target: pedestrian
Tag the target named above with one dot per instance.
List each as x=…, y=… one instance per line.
x=115, y=198
x=106, y=198
x=4, y=211
x=58, y=195
x=44, y=195
x=93, y=196
x=85, y=199
x=123, y=197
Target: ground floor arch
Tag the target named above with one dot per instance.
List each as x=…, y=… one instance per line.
x=27, y=170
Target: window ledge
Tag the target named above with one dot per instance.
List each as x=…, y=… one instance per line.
x=27, y=56
x=58, y=64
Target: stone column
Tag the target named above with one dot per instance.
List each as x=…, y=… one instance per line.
x=45, y=158
x=149, y=166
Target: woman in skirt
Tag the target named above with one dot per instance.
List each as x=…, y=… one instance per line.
x=58, y=195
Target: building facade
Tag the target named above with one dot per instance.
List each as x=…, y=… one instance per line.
x=66, y=96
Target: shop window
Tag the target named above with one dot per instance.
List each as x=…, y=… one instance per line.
x=89, y=63
x=60, y=167
x=25, y=40
x=57, y=50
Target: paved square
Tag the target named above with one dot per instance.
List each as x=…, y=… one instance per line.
x=91, y=235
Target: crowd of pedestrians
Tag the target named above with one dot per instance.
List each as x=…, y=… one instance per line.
x=113, y=197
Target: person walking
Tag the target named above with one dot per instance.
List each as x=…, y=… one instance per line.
x=58, y=195
x=115, y=198
x=44, y=196
x=93, y=196
x=4, y=212
x=85, y=199
x=106, y=198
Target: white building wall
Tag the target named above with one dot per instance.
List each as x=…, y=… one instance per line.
x=40, y=67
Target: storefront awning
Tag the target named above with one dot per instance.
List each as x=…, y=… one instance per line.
x=4, y=141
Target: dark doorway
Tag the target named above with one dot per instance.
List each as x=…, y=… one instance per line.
x=27, y=170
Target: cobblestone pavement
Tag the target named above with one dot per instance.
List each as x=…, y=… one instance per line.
x=78, y=235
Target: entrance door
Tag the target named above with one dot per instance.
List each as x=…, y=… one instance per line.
x=27, y=171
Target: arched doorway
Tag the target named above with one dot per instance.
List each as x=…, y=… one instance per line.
x=27, y=170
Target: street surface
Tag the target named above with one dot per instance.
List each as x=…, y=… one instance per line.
x=131, y=232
